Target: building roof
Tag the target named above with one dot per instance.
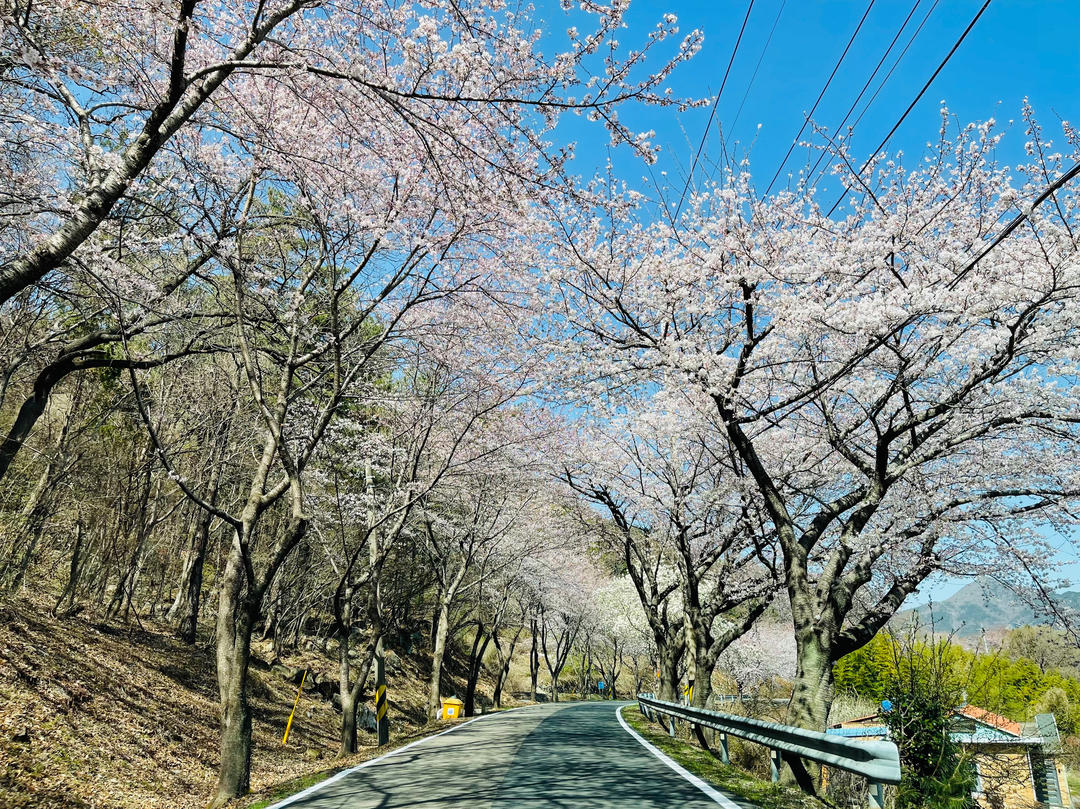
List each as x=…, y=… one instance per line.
x=870, y=717
x=985, y=717
x=854, y=733
x=970, y=725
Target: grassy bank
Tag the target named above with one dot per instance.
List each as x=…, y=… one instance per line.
x=724, y=777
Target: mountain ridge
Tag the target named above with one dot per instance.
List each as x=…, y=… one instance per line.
x=982, y=605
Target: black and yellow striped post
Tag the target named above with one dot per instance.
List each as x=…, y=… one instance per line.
x=382, y=722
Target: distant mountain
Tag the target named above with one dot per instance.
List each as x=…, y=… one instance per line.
x=980, y=606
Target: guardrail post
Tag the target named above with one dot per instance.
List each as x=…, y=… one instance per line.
x=774, y=765
x=877, y=795
x=724, y=755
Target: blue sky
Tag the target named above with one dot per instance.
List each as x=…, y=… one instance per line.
x=1018, y=49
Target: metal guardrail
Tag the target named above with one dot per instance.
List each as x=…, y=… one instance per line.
x=877, y=761
x=748, y=698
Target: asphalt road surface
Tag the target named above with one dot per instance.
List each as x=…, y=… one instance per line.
x=573, y=755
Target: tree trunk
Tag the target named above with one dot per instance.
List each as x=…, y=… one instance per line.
x=476, y=663
x=190, y=529
x=66, y=602
x=704, y=662
x=534, y=659
x=190, y=594
x=504, y=666
x=811, y=699
x=668, y=665
x=348, y=724
x=233, y=656
x=438, y=652
x=189, y=622
x=350, y=701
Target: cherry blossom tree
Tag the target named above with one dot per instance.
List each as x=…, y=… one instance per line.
x=620, y=631
x=566, y=580
x=104, y=100
x=686, y=530
x=378, y=466
x=899, y=408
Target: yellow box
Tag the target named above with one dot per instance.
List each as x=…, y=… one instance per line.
x=451, y=708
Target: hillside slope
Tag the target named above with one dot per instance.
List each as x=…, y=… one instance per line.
x=94, y=716
x=980, y=606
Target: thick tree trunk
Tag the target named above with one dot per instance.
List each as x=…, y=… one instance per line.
x=233, y=656
x=350, y=694
x=348, y=724
x=813, y=693
x=811, y=699
x=667, y=663
x=703, y=664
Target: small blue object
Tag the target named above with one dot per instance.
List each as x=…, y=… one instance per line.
x=600, y=685
x=886, y=705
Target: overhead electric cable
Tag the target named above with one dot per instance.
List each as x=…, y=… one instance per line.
x=911, y=106
x=712, y=112
x=896, y=64
x=757, y=67
x=866, y=85
x=1016, y=222
x=807, y=118
x=889, y=74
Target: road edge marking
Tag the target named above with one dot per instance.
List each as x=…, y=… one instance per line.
x=718, y=797
x=338, y=776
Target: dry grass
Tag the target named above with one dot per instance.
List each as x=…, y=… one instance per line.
x=94, y=716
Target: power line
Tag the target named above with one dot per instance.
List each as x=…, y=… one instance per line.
x=866, y=85
x=885, y=80
x=712, y=113
x=836, y=67
x=896, y=64
x=757, y=67
x=1019, y=220
x=911, y=106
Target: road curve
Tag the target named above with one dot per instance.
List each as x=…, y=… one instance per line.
x=562, y=755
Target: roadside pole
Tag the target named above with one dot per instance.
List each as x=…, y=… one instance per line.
x=381, y=719
x=380, y=696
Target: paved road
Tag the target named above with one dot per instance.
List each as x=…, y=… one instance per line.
x=563, y=755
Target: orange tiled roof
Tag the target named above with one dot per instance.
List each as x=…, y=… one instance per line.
x=990, y=718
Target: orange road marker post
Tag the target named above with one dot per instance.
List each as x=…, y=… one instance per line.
x=288, y=726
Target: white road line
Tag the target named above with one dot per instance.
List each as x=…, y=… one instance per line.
x=721, y=799
x=384, y=756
